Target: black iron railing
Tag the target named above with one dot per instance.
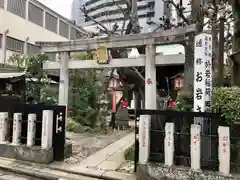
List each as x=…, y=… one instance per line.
x=182, y=121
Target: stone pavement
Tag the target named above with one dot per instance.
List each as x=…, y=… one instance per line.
x=109, y=158
x=101, y=165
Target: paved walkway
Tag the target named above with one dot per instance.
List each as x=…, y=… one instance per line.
x=101, y=165
x=109, y=158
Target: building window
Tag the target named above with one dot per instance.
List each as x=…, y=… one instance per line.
x=73, y=33
x=32, y=49
x=35, y=14
x=63, y=29
x=51, y=23
x=1, y=3
x=17, y=7
x=15, y=45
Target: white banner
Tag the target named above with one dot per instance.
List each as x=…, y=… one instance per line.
x=202, y=72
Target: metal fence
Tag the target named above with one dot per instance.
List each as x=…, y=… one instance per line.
x=182, y=148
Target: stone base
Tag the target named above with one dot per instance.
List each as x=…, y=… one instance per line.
x=22, y=152
x=68, y=149
x=153, y=171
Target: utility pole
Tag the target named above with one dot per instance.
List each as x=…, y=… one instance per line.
x=221, y=52
x=236, y=42
x=215, y=42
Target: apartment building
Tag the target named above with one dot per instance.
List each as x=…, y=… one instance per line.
x=23, y=22
x=109, y=12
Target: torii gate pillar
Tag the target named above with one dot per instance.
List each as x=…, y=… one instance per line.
x=150, y=78
x=64, y=79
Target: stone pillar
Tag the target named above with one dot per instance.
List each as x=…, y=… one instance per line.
x=195, y=147
x=169, y=144
x=44, y=19
x=17, y=128
x=3, y=126
x=150, y=78
x=144, y=140
x=31, y=130
x=47, y=129
x=64, y=79
x=224, y=150
x=58, y=26
x=26, y=46
x=4, y=47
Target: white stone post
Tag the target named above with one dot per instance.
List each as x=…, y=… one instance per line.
x=64, y=79
x=132, y=105
x=169, y=144
x=195, y=147
x=144, y=139
x=47, y=129
x=3, y=126
x=31, y=130
x=224, y=150
x=17, y=128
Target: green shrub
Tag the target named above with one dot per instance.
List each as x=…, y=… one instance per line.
x=70, y=124
x=226, y=100
x=75, y=127
x=129, y=154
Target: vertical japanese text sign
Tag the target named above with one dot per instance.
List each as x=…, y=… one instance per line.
x=202, y=72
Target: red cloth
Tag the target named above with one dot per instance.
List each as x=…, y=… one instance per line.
x=171, y=103
x=124, y=103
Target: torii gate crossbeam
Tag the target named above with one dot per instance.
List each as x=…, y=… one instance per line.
x=150, y=40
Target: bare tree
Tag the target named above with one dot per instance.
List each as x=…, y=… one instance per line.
x=199, y=14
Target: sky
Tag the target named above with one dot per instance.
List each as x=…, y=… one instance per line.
x=62, y=7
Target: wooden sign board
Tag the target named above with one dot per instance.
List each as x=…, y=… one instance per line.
x=102, y=55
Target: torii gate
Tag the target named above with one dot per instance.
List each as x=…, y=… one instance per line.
x=150, y=60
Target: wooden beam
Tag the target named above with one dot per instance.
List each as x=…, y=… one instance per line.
x=172, y=36
x=175, y=59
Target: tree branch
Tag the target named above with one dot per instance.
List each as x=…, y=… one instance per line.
x=178, y=9
x=105, y=29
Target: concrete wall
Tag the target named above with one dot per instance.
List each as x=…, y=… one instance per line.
x=21, y=28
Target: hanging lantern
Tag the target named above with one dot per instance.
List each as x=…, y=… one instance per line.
x=178, y=83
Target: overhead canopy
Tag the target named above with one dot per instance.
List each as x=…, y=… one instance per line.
x=19, y=75
x=9, y=75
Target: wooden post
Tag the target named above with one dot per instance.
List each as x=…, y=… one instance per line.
x=221, y=52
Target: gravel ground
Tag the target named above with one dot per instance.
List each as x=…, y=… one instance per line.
x=127, y=167
x=86, y=144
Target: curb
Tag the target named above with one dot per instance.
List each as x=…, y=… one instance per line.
x=30, y=173
x=35, y=171
x=101, y=174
